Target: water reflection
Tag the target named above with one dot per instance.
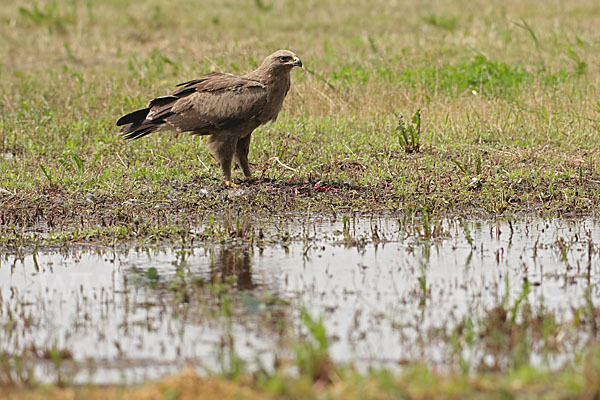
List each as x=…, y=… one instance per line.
x=382, y=286
x=232, y=262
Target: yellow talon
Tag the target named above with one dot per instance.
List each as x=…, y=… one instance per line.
x=231, y=184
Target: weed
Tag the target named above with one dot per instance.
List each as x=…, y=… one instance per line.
x=46, y=174
x=410, y=134
x=312, y=355
x=524, y=25
x=16, y=369
x=232, y=365
x=467, y=232
x=49, y=16
x=448, y=23
x=262, y=6
x=423, y=286
x=580, y=64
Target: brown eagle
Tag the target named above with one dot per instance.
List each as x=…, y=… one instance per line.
x=224, y=106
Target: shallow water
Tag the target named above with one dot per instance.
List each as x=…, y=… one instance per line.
x=381, y=285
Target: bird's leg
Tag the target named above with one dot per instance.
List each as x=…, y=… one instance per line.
x=241, y=156
x=222, y=148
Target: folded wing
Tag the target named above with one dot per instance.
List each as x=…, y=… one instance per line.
x=216, y=102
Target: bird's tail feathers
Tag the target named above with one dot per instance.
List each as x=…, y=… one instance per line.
x=135, y=125
x=135, y=117
x=136, y=131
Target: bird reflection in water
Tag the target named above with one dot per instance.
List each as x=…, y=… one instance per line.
x=232, y=262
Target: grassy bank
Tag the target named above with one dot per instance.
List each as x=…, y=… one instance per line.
x=507, y=98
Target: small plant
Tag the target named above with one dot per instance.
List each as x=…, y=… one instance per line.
x=232, y=365
x=346, y=222
x=76, y=164
x=448, y=23
x=49, y=16
x=47, y=174
x=467, y=232
x=423, y=285
x=262, y=6
x=473, y=181
x=16, y=369
x=58, y=356
x=312, y=354
x=410, y=134
x=580, y=64
x=153, y=277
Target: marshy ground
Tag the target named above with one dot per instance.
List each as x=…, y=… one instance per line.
x=453, y=255
x=334, y=299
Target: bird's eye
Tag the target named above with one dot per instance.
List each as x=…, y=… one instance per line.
x=285, y=58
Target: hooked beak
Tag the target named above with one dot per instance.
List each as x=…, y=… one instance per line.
x=296, y=62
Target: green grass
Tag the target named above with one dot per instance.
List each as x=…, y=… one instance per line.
x=508, y=118
x=509, y=124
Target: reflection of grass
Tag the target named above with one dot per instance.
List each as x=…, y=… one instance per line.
x=317, y=377
x=485, y=353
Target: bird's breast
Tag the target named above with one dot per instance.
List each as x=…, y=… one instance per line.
x=275, y=99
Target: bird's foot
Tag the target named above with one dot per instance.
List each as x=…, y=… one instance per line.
x=231, y=184
x=250, y=179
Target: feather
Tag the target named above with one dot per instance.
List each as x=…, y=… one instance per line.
x=226, y=106
x=136, y=116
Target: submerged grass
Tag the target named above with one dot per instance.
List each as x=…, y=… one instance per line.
x=514, y=345
x=316, y=376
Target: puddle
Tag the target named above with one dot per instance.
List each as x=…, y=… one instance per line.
x=380, y=284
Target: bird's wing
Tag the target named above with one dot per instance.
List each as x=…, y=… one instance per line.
x=214, y=102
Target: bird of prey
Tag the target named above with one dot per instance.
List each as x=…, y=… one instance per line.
x=224, y=106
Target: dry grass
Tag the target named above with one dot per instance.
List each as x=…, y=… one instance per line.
x=415, y=383
x=186, y=385
x=507, y=92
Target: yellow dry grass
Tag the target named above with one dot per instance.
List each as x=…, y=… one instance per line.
x=186, y=385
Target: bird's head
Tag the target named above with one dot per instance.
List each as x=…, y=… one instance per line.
x=282, y=60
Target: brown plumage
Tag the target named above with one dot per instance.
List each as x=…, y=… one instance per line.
x=224, y=106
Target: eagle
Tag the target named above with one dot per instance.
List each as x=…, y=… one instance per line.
x=226, y=107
